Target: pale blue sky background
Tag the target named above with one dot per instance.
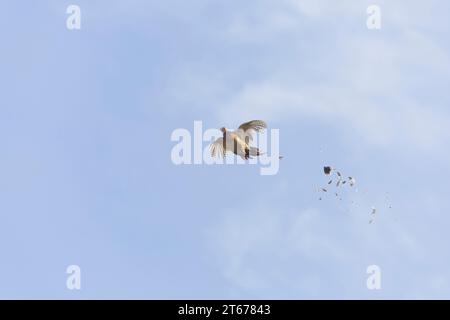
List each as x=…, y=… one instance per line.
x=86, y=176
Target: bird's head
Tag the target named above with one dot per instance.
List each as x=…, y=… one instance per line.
x=223, y=129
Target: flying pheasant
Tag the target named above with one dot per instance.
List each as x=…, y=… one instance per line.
x=238, y=141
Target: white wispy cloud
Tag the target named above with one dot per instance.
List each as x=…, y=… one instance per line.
x=372, y=80
x=269, y=252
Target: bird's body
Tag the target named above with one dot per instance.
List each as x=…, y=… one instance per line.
x=238, y=141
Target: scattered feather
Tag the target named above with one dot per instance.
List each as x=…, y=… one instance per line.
x=327, y=170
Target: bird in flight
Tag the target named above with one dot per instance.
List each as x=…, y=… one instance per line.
x=238, y=141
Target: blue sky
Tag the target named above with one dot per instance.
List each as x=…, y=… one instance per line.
x=86, y=176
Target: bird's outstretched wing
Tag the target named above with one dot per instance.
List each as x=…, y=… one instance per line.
x=217, y=148
x=246, y=129
x=256, y=125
